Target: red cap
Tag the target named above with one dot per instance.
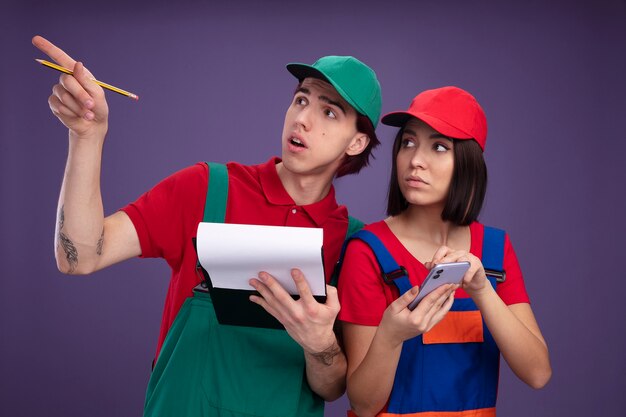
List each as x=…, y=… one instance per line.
x=451, y=111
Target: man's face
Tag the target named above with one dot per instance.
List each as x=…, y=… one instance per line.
x=320, y=128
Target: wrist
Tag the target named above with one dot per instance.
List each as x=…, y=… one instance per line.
x=326, y=356
x=482, y=294
x=386, y=340
x=322, y=344
x=86, y=143
x=89, y=138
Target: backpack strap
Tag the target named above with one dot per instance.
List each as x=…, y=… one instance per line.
x=493, y=253
x=391, y=272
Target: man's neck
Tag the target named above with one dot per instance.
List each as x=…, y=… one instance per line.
x=303, y=189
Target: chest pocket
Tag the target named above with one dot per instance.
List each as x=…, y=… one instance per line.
x=457, y=327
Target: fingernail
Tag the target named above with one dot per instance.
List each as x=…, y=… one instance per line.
x=89, y=104
x=89, y=115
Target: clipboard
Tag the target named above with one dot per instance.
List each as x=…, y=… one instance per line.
x=230, y=254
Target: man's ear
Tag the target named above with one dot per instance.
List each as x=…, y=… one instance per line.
x=358, y=144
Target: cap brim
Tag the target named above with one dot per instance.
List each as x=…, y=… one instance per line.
x=302, y=71
x=399, y=119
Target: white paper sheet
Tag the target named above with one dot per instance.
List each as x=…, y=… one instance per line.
x=234, y=253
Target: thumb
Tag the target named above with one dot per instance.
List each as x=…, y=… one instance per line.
x=406, y=298
x=86, y=79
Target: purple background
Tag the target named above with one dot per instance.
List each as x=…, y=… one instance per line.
x=213, y=87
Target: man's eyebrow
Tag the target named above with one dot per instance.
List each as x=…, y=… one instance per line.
x=333, y=102
x=325, y=99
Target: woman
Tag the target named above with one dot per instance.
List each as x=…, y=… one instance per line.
x=396, y=364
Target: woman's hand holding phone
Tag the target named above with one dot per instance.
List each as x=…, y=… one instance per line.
x=440, y=274
x=399, y=323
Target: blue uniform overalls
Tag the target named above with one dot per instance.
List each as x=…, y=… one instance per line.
x=453, y=369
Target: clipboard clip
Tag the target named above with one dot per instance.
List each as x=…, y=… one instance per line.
x=205, y=280
x=202, y=287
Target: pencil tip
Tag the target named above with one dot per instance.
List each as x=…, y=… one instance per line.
x=134, y=96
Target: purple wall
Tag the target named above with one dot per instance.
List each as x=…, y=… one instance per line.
x=213, y=87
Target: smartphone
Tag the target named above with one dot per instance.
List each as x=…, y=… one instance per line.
x=441, y=274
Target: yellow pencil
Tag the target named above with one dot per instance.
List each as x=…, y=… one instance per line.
x=100, y=83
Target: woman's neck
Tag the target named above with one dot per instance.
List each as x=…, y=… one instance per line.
x=424, y=223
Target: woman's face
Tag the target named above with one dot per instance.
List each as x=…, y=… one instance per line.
x=425, y=164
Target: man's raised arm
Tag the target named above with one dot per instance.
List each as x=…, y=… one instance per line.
x=85, y=240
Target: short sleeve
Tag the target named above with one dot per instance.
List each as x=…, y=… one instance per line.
x=360, y=287
x=165, y=217
x=512, y=290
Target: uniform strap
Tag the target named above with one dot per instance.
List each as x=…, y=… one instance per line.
x=354, y=225
x=214, y=206
x=217, y=193
x=493, y=253
x=392, y=273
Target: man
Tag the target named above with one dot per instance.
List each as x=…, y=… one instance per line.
x=204, y=368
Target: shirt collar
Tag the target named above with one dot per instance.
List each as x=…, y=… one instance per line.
x=272, y=186
x=276, y=194
x=325, y=208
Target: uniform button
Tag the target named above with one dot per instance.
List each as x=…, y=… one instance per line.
x=294, y=211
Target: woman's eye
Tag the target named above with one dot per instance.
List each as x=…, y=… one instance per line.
x=300, y=101
x=440, y=148
x=407, y=143
x=330, y=113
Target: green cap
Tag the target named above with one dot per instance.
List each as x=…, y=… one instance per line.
x=353, y=80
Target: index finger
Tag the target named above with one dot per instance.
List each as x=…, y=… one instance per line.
x=440, y=253
x=54, y=52
x=274, y=287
